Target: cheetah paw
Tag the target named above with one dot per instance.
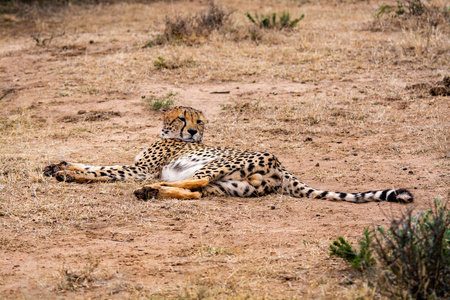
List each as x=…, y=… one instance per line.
x=146, y=192
x=66, y=176
x=53, y=169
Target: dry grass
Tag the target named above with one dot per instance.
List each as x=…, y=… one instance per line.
x=330, y=98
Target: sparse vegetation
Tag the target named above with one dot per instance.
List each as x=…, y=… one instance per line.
x=414, y=15
x=403, y=7
x=174, y=62
x=414, y=254
x=270, y=21
x=156, y=103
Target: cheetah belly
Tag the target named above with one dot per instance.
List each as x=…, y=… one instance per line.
x=184, y=167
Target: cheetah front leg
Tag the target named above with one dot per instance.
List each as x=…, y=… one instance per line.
x=164, y=192
x=80, y=173
x=185, y=189
x=190, y=184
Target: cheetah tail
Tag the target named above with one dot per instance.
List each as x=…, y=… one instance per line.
x=391, y=195
x=296, y=188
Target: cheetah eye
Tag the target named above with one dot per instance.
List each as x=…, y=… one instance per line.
x=182, y=119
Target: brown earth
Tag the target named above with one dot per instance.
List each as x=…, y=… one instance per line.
x=329, y=98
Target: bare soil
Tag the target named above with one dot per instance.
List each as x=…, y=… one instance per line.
x=330, y=99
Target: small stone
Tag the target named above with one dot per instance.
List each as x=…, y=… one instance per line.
x=272, y=207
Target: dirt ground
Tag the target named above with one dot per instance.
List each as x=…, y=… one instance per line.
x=337, y=100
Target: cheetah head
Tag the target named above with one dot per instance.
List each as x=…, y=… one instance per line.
x=184, y=123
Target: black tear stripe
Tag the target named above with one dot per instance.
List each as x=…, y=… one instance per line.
x=184, y=125
x=182, y=128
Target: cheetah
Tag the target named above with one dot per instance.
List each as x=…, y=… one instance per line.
x=190, y=169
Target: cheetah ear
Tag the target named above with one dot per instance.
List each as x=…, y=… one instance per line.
x=163, y=110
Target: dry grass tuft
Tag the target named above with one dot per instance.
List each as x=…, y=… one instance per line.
x=190, y=28
x=69, y=280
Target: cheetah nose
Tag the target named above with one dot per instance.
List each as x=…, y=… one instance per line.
x=192, y=131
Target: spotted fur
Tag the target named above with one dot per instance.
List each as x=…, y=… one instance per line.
x=190, y=169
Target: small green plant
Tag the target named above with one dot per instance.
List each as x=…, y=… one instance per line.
x=362, y=260
x=174, y=62
x=224, y=106
x=160, y=63
x=165, y=101
x=270, y=21
x=383, y=9
x=218, y=251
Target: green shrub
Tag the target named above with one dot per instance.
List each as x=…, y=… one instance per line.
x=416, y=252
x=413, y=255
x=270, y=21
